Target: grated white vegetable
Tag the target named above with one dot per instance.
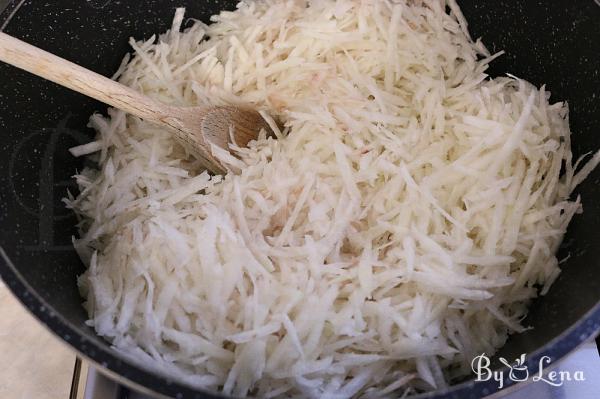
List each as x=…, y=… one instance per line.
x=396, y=228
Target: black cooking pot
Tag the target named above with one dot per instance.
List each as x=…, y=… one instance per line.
x=547, y=42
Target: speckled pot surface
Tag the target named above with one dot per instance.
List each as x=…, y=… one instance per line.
x=547, y=42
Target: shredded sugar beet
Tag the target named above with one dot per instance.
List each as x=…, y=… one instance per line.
x=394, y=229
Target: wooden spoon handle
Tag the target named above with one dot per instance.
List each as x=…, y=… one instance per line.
x=41, y=63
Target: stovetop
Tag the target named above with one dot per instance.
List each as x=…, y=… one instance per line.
x=89, y=383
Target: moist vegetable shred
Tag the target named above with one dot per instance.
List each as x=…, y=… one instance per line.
x=396, y=227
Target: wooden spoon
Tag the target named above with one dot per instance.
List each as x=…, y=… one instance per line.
x=196, y=127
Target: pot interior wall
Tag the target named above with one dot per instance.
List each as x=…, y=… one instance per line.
x=553, y=43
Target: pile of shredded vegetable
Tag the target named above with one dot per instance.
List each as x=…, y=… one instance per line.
x=394, y=229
